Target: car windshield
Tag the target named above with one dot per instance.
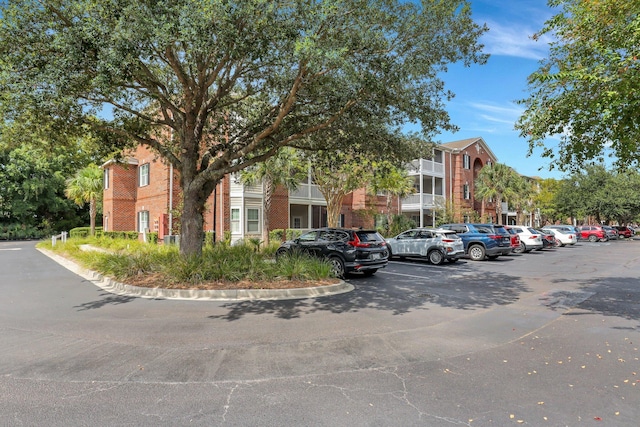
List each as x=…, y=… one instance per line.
x=369, y=236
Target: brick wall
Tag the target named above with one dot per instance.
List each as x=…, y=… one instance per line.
x=119, y=199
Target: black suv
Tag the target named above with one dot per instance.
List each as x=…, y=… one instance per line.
x=347, y=250
x=482, y=240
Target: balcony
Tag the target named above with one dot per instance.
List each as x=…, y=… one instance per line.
x=307, y=192
x=426, y=167
x=429, y=201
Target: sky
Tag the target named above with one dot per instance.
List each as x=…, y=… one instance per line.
x=485, y=102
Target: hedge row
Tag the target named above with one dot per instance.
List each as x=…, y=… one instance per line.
x=21, y=232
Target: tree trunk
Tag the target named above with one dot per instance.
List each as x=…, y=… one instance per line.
x=92, y=216
x=266, y=210
x=499, y=209
x=334, y=204
x=192, y=222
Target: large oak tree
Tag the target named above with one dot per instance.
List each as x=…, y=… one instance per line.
x=215, y=86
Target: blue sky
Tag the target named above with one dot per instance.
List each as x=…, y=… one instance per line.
x=485, y=102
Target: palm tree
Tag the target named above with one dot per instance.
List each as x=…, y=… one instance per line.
x=495, y=182
x=522, y=199
x=283, y=169
x=86, y=187
x=393, y=181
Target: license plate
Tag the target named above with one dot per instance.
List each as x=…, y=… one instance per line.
x=375, y=256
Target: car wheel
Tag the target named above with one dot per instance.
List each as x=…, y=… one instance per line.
x=280, y=253
x=369, y=273
x=520, y=248
x=476, y=253
x=558, y=243
x=337, y=267
x=435, y=257
x=593, y=238
x=389, y=253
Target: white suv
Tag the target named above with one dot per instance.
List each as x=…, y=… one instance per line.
x=530, y=239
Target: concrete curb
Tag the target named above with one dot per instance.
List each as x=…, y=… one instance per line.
x=118, y=288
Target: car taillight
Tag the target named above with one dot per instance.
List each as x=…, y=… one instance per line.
x=448, y=241
x=533, y=236
x=357, y=243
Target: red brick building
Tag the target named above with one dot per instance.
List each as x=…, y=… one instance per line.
x=143, y=193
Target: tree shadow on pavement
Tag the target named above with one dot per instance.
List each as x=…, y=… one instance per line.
x=613, y=296
x=107, y=299
x=396, y=294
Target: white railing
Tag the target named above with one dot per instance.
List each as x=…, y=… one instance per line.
x=428, y=200
x=307, y=191
x=62, y=236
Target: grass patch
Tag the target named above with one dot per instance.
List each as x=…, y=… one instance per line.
x=220, y=266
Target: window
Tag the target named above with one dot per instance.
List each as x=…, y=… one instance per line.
x=439, y=187
x=466, y=161
x=253, y=220
x=466, y=191
x=106, y=178
x=235, y=220
x=143, y=175
x=297, y=222
x=437, y=156
x=143, y=221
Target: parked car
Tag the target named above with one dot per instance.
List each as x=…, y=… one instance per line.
x=515, y=238
x=624, y=231
x=563, y=236
x=347, y=250
x=612, y=233
x=530, y=239
x=482, y=240
x=592, y=233
x=548, y=239
x=433, y=244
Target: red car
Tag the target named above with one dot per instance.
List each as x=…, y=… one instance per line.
x=593, y=233
x=515, y=238
x=624, y=231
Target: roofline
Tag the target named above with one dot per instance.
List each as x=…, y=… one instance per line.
x=471, y=142
x=128, y=160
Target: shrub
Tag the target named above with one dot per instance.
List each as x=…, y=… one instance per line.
x=83, y=231
x=129, y=235
x=129, y=258
x=152, y=238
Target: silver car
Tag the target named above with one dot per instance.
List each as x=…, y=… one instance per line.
x=436, y=245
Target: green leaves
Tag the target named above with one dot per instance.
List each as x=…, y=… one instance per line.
x=586, y=92
x=232, y=82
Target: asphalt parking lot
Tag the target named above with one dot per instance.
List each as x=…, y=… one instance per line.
x=545, y=338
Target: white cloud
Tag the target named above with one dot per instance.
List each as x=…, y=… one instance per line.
x=514, y=40
x=507, y=113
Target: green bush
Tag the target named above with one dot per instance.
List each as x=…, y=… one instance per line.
x=127, y=235
x=399, y=224
x=289, y=234
x=21, y=232
x=83, y=231
x=129, y=258
x=152, y=238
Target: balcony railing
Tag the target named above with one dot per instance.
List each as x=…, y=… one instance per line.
x=427, y=167
x=307, y=191
x=428, y=200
